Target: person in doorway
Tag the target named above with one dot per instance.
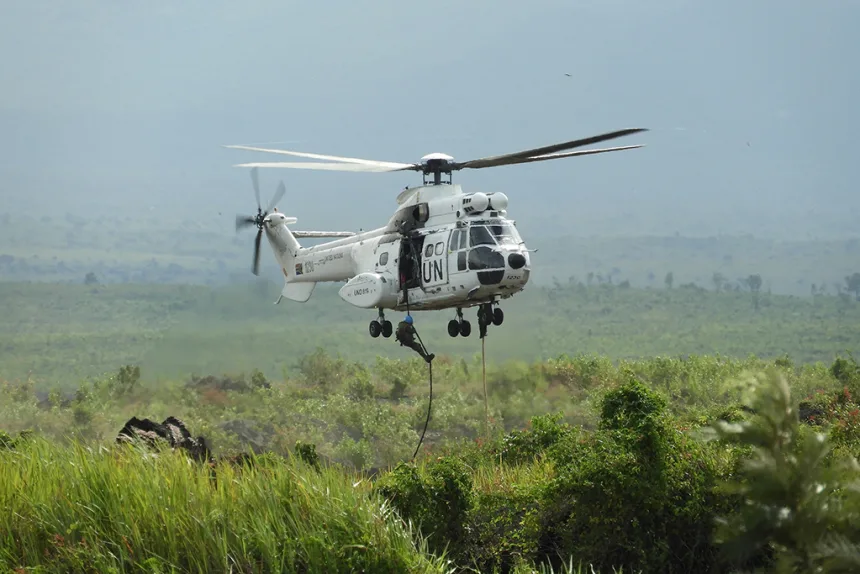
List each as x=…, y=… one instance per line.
x=406, y=336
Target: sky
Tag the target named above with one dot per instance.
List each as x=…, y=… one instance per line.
x=111, y=107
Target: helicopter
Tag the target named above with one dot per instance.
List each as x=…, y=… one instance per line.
x=443, y=248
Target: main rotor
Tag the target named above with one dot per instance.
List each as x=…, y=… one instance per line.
x=433, y=166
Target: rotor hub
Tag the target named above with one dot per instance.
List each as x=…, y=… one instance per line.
x=436, y=164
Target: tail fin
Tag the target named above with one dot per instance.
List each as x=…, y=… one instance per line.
x=286, y=248
x=300, y=292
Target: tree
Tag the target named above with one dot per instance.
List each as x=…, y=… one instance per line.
x=754, y=283
x=669, y=280
x=852, y=284
x=90, y=279
x=718, y=280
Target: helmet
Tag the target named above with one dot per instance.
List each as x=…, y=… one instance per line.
x=408, y=319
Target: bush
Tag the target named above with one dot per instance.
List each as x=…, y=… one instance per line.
x=436, y=501
x=633, y=494
x=545, y=432
x=798, y=513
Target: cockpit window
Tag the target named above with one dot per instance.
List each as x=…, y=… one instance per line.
x=505, y=234
x=480, y=235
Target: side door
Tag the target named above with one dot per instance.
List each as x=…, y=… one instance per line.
x=386, y=257
x=434, y=261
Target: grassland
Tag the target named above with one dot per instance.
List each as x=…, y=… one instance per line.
x=60, y=334
x=621, y=476
x=600, y=396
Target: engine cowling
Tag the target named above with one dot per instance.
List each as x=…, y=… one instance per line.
x=368, y=290
x=475, y=203
x=498, y=201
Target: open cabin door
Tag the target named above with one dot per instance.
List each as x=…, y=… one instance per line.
x=409, y=262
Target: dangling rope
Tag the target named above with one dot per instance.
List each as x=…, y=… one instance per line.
x=482, y=327
x=430, y=402
x=484, y=380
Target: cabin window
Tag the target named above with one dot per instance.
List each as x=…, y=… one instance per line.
x=440, y=248
x=455, y=239
x=485, y=258
x=461, y=261
x=383, y=258
x=463, y=238
x=429, y=250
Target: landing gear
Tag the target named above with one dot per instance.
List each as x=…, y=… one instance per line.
x=487, y=315
x=381, y=326
x=459, y=326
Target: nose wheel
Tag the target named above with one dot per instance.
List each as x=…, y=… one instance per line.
x=380, y=326
x=488, y=315
x=459, y=326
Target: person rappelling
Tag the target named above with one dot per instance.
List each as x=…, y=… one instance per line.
x=406, y=336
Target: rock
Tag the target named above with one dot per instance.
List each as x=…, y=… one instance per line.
x=172, y=430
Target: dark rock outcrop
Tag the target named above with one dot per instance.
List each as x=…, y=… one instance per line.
x=172, y=430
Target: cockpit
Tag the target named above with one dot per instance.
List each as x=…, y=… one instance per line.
x=493, y=234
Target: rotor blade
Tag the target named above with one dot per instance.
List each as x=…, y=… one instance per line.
x=301, y=234
x=320, y=156
x=332, y=166
x=243, y=221
x=256, y=181
x=278, y=195
x=509, y=158
x=256, y=268
x=569, y=154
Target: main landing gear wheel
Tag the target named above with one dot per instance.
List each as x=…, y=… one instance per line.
x=459, y=326
x=381, y=326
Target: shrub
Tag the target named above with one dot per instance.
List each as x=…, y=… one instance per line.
x=633, y=494
x=436, y=501
x=795, y=508
x=545, y=432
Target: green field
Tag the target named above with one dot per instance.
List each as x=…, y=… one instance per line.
x=60, y=334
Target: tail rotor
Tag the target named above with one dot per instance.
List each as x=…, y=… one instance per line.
x=243, y=221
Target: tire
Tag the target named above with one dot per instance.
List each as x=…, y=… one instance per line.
x=465, y=328
x=453, y=327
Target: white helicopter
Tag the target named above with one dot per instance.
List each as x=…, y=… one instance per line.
x=442, y=248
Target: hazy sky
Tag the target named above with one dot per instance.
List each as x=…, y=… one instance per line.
x=752, y=107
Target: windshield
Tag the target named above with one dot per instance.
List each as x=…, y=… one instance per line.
x=480, y=235
x=505, y=234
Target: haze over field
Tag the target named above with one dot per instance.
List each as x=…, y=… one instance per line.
x=108, y=109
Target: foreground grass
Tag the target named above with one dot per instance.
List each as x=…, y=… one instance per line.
x=642, y=487
x=94, y=509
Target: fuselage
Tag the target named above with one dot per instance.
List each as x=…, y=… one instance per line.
x=448, y=248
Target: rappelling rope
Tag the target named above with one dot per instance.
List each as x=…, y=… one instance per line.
x=484, y=381
x=430, y=402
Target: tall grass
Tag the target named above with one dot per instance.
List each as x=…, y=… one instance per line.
x=82, y=509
